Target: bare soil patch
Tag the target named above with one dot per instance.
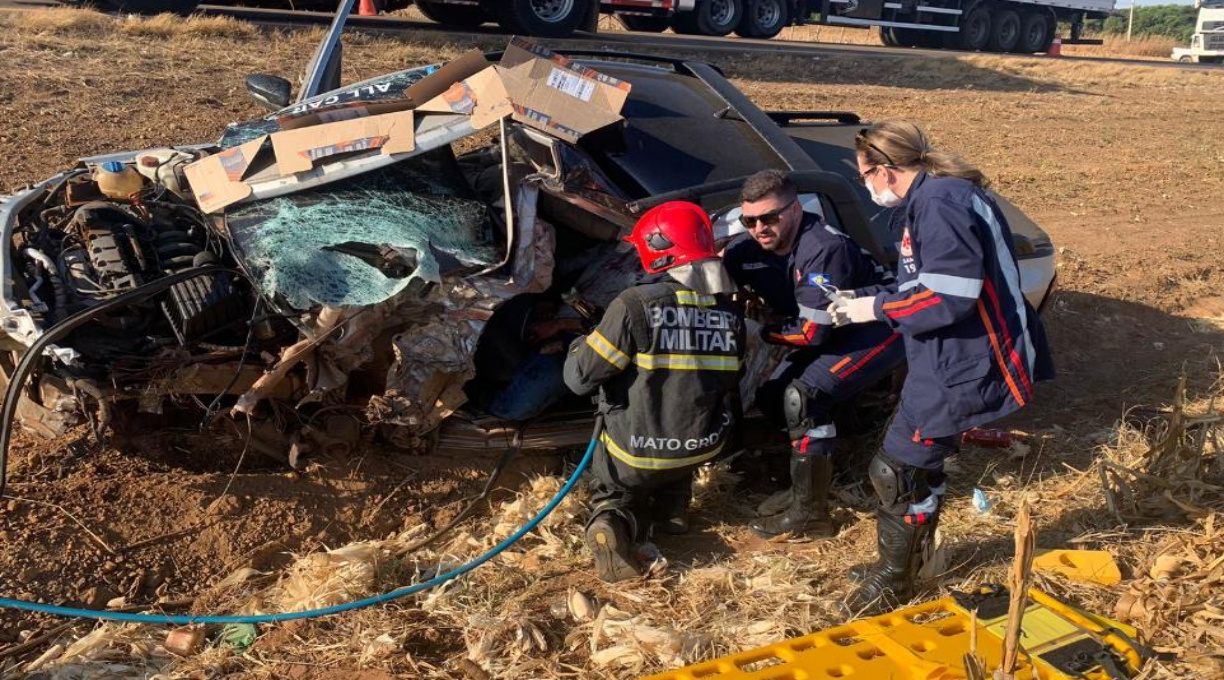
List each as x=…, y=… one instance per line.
x=1121, y=164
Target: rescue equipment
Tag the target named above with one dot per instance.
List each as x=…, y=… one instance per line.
x=928, y=642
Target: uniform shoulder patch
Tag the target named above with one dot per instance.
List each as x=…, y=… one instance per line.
x=818, y=280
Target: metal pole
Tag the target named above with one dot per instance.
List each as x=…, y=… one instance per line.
x=1131, y=22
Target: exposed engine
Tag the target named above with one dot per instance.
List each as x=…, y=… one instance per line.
x=79, y=247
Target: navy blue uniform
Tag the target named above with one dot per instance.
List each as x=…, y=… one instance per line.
x=974, y=344
x=832, y=363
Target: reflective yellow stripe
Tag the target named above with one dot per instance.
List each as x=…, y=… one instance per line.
x=645, y=463
x=688, y=297
x=687, y=362
x=607, y=350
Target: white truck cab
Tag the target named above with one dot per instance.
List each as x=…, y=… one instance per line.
x=1207, y=44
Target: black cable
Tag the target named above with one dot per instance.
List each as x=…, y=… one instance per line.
x=246, y=349
x=31, y=357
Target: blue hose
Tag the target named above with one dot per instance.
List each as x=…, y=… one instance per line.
x=325, y=611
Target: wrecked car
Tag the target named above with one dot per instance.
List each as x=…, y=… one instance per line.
x=340, y=264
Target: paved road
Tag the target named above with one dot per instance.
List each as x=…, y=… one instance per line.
x=620, y=40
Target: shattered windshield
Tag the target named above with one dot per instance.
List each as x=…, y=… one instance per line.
x=299, y=247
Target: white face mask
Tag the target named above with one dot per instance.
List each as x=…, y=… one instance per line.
x=886, y=198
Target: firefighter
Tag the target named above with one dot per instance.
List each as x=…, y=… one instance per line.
x=974, y=344
x=794, y=262
x=666, y=357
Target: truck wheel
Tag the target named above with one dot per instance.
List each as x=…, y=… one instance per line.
x=1184, y=60
x=463, y=16
x=542, y=18
x=904, y=37
x=886, y=37
x=711, y=17
x=763, y=19
x=974, y=34
x=1036, y=33
x=1006, y=33
x=643, y=24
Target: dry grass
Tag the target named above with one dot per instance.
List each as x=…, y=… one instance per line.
x=65, y=20
x=1154, y=47
x=536, y=611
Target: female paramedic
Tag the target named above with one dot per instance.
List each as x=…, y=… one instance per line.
x=974, y=345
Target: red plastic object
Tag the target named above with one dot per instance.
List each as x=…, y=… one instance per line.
x=988, y=438
x=367, y=9
x=1055, y=49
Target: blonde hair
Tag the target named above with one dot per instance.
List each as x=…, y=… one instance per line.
x=904, y=145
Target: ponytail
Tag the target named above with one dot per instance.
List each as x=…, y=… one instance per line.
x=904, y=145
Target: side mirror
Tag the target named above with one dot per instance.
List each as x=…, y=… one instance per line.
x=272, y=92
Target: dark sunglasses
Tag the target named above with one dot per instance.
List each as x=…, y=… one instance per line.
x=769, y=219
x=862, y=136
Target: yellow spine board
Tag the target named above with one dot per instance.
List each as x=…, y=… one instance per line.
x=928, y=642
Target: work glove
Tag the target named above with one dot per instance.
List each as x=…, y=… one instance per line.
x=854, y=310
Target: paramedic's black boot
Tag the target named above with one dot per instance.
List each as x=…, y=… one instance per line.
x=808, y=512
x=889, y=582
x=607, y=537
x=671, y=514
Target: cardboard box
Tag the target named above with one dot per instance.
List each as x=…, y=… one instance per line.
x=216, y=180
x=553, y=94
x=355, y=102
x=481, y=96
x=298, y=150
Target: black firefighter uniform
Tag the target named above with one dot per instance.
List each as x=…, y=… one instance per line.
x=667, y=361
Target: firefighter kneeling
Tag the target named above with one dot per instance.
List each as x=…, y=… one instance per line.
x=666, y=357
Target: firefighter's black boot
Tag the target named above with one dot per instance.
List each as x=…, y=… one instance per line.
x=808, y=512
x=889, y=582
x=608, y=538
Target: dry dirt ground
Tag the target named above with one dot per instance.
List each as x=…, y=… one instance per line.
x=1122, y=165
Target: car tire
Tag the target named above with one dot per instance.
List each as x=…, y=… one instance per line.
x=975, y=32
x=463, y=16
x=763, y=19
x=711, y=17
x=1005, y=34
x=1036, y=33
x=643, y=24
x=541, y=18
x=887, y=37
x=1184, y=60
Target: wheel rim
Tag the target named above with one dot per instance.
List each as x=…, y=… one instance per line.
x=1036, y=33
x=1008, y=32
x=768, y=13
x=552, y=11
x=979, y=31
x=722, y=12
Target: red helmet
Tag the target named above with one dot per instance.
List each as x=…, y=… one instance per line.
x=672, y=234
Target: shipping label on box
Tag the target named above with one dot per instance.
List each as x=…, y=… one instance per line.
x=298, y=150
x=556, y=95
x=216, y=180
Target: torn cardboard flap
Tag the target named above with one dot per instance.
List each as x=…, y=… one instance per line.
x=372, y=98
x=553, y=94
x=298, y=150
x=481, y=96
x=216, y=180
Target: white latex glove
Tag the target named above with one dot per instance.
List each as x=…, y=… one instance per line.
x=854, y=310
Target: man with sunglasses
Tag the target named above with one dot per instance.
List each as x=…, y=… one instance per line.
x=796, y=263
x=666, y=359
